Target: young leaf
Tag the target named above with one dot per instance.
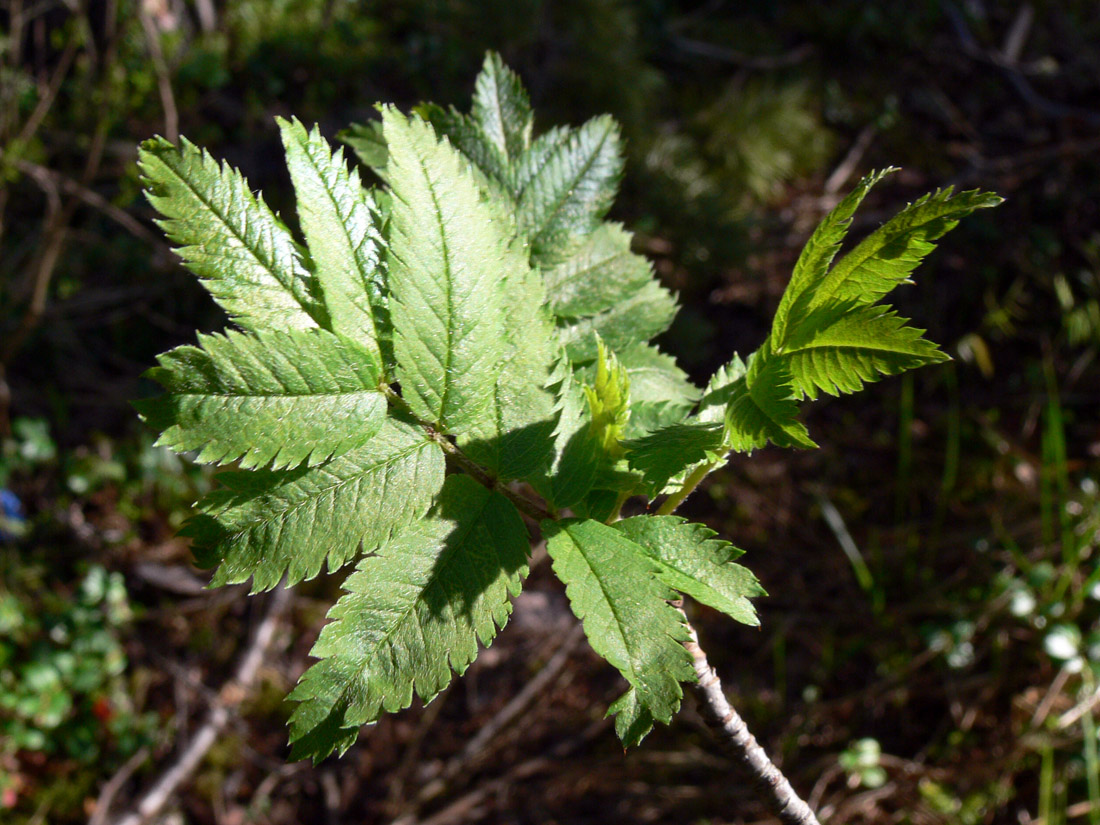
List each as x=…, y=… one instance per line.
x=242, y=253
x=838, y=349
x=660, y=392
x=266, y=523
x=572, y=191
x=667, y=452
x=341, y=226
x=609, y=402
x=414, y=613
x=818, y=254
x=600, y=274
x=693, y=561
x=576, y=449
x=445, y=276
x=762, y=407
x=613, y=587
x=277, y=397
x=887, y=256
x=501, y=108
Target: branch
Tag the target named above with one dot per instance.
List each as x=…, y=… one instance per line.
x=231, y=694
x=731, y=729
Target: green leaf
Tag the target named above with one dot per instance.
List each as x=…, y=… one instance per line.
x=660, y=392
x=608, y=402
x=637, y=319
x=693, y=561
x=276, y=398
x=601, y=273
x=413, y=615
x=243, y=254
x=501, y=108
x=720, y=389
x=366, y=140
x=531, y=164
x=613, y=588
x=445, y=277
x=837, y=349
x=515, y=439
x=341, y=226
x=818, y=254
x=889, y=254
x=565, y=200
x=490, y=164
x=576, y=449
x=633, y=721
x=763, y=407
x=266, y=523
x=665, y=453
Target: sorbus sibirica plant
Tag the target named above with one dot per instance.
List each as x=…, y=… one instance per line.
x=468, y=344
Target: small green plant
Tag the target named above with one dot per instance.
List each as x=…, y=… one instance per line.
x=62, y=686
x=468, y=344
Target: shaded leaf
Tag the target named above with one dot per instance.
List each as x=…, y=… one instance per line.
x=414, y=615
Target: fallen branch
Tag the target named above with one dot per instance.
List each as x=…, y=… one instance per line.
x=232, y=693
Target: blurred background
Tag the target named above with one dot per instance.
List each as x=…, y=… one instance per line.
x=931, y=650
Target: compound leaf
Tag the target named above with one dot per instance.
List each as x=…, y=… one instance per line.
x=445, y=276
x=276, y=398
x=341, y=226
x=413, y=615
x=693, y=561
x=265, y=524
x=244, y=256
x=613, y=587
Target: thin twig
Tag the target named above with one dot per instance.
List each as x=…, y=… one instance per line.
x=164, y=80
x=731, y=728
x=1011, y=73
x=42, y=108
x=465, y=809
x=851, y=160
x=1075, y=713
x=745, y=61
x=113, y=785
x=51, y=182
x=217, y=718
